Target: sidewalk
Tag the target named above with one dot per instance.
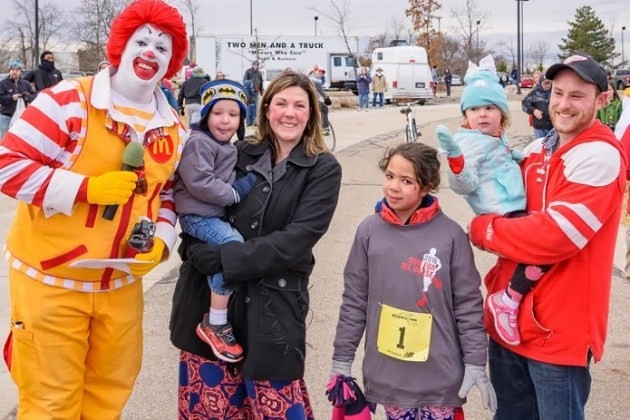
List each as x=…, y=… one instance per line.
x=362, y=138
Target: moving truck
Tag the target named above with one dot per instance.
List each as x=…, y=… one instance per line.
x=234, y=54
x=406, y=69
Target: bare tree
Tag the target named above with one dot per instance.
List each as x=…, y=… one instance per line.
x=537, y=54
x=338, y=12
x=398, y=29
x=467, y=18
x=92, y=22
x=19, y=31
x=508, y=50
x=191, y=8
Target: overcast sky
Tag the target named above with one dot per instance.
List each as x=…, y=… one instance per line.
x=543, y=19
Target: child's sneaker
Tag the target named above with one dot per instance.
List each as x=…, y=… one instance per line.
x=221, y=340
x=505, y=319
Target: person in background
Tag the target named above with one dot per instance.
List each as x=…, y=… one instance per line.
x=430, y=325
x=189, y=98
x=255, y=76
x=435, y=80
x=536, y=104
x=624, y=120
x=219, y=76
x=324, y=99
x=610, y=113
x=282, y=219
x=102, y=65
x=76, y=330
x=379, y=84
x=168, y=94
x=574, y=181
x=363, y=86
x=251, y=103
x=12, y=88
x=46, y=75
x=448, y=79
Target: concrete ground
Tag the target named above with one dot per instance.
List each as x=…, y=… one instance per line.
x=362, y=137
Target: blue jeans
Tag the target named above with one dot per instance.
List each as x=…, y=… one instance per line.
x=531, y=390
x=539, y=132
x=251, y=114
x=4, y=124
x=364, y=100
x=211, y=230
x=380, y=99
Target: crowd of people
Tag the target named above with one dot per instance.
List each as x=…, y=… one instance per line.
x=251, y=210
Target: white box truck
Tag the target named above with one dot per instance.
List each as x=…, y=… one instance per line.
x=234, y=54
x=406, y=69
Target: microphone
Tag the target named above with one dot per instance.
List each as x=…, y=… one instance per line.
x=132, y=158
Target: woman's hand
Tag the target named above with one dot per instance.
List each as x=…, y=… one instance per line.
x=206, y=258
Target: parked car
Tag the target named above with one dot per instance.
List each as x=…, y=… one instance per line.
x=456, y=80
x=527, y=81
x=621, y=79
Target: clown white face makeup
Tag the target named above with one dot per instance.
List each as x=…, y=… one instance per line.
x=143, y=63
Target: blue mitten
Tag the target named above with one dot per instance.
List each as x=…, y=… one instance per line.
x=517, y=155
x=446, y=141
x=243, y=186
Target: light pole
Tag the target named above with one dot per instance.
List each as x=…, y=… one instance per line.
x=477, y=51
x=251, y=20
x=315, y=18
x=623, y=28
x=519, y=42
x=439, y=18
x=36, y=49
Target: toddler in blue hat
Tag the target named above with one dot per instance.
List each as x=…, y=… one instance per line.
x=486, y=172
x=205, y=184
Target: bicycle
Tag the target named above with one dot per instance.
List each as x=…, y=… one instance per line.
x=329, y=137
x=411, y=130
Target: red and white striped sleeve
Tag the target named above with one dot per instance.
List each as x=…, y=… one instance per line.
x=37, y=149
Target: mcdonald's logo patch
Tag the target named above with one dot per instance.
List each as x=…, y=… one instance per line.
x=161, y=149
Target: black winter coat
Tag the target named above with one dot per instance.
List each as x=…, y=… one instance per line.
x=281, y=221
x=45, y=76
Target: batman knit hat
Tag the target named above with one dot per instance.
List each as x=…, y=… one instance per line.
x=216, y=90
x=482, y=89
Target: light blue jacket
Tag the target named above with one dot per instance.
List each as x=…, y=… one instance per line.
x=491, y=181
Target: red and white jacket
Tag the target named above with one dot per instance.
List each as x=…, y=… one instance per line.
x=574, y=201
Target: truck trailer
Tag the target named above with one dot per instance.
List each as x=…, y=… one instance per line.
x=406, y=69
x=234, y=54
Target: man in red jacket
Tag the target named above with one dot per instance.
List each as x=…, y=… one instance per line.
x=575, y=181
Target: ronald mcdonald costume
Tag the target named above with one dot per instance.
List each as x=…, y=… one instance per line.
x=77, y=329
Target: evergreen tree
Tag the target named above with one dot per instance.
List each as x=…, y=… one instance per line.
x=588, y=34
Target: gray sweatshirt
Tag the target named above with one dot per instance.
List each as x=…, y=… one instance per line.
x=203, y=182
x=387, y=265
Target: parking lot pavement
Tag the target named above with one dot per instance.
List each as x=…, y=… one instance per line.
x=362, y=138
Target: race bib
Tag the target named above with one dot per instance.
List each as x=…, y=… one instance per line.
x=404, y=335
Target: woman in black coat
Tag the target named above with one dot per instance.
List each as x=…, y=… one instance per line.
x=281, y=220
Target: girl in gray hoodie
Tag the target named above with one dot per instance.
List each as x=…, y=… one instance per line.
x=418, y=302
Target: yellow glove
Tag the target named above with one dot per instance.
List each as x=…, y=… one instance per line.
x=111, y=188
x=155, y=256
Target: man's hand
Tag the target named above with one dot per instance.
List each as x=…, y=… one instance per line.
x=154, y=256
x=476, y=375
x=446, y=142
x=111, y=188
x=537, y=114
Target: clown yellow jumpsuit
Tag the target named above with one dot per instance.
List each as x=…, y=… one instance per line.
x=77, y=332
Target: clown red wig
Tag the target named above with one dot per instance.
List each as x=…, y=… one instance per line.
x=152, y=12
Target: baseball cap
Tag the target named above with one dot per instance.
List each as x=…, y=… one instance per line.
x=584, y=66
